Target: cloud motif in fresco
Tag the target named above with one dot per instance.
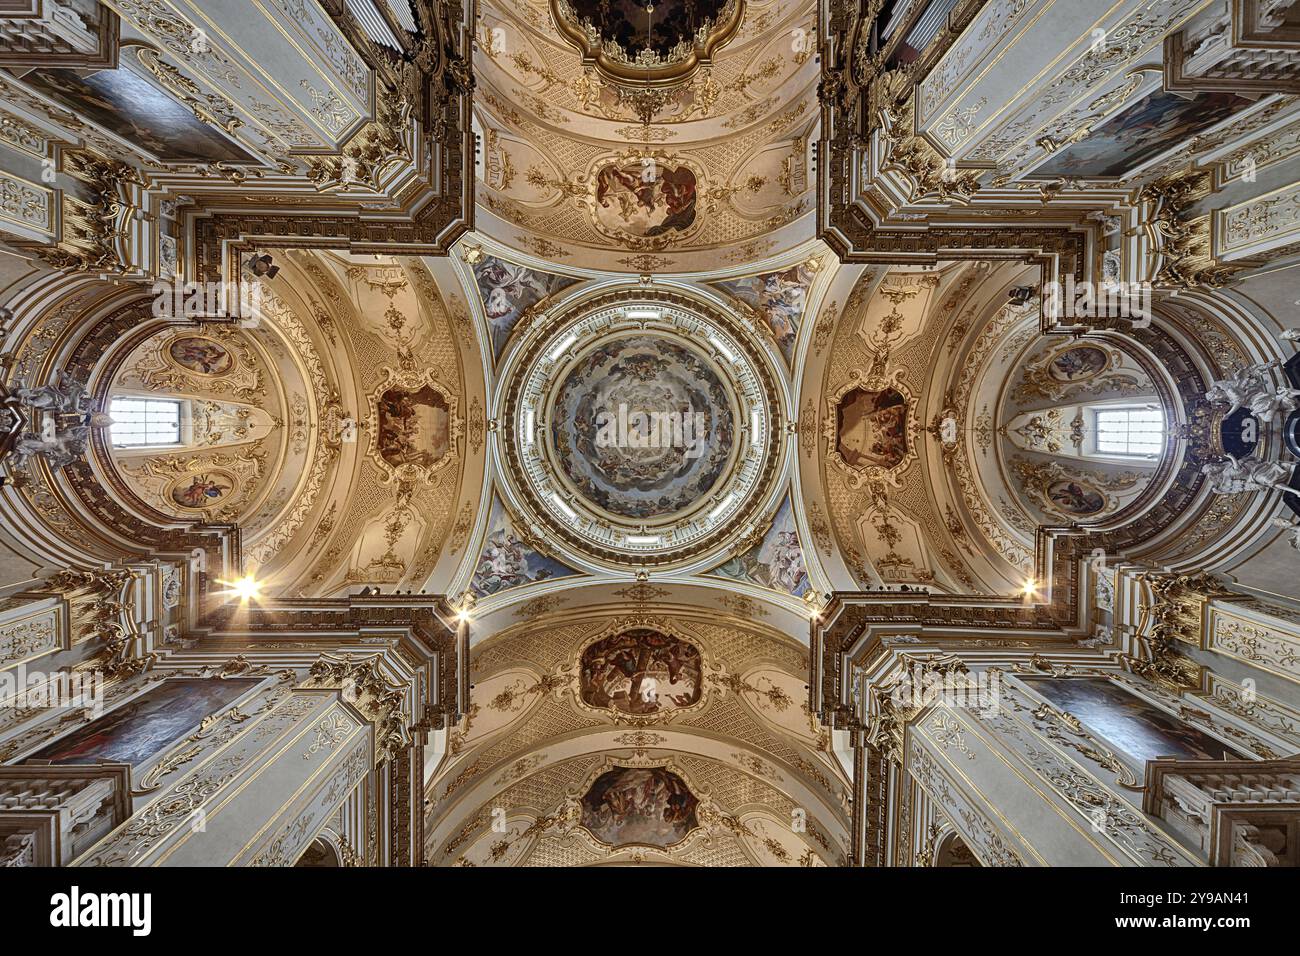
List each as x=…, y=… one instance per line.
x=779, y=297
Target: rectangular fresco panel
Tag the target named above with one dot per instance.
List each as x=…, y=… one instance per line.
x=128, y=105
x=140, y=730
x=1146, y=129
x=1131, y=724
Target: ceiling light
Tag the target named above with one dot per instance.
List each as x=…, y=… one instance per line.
x=718, y=344
x=247, y=588
x=723, y=505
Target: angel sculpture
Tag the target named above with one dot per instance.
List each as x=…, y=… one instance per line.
x=1253, y=388
x=66, y=394
x=1234, y=476
x=63, y=449
x=1291, y=527
x=1266, y=405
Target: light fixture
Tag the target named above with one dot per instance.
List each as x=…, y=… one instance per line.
x=644, y=314
x=247, y=588
x=563, y=506
x=722, y=347
x=814, y=602
x=643, y=539
x=1030, y=587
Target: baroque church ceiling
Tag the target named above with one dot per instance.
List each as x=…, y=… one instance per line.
x=674, y=351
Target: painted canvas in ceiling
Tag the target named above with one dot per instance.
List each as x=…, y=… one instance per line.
x=507, y=291
x=642, y=427
x=1135, y=726
x=780, y=298
x=1151, y=126
x=635, y=805
x=507, y=562
x=641, y=671
x=135, y=109
x=776, y=562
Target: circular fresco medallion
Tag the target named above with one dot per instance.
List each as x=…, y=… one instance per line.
x=1075, y=497
x=1078, y=364
x=207, y=489
x=642, y=427
x=202, y=356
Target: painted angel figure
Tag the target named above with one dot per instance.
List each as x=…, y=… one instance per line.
x=1234, y=476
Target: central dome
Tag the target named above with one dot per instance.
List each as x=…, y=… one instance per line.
x=642, y=427
x=645, y=427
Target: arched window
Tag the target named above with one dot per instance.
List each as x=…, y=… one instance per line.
x=139, y=422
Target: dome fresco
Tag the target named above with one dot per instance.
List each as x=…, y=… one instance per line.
x=642, y=427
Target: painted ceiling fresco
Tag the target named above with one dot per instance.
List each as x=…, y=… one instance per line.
x=780, y=298
x=686, y=741
x=642, y=427
x=507, y=291
x=637, y=26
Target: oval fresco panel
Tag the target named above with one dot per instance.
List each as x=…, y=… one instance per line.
x=640, y=672
x=206, y=489
x=1075, y=497
x=650, y=806
x=1078, y=364
x=200, y=355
